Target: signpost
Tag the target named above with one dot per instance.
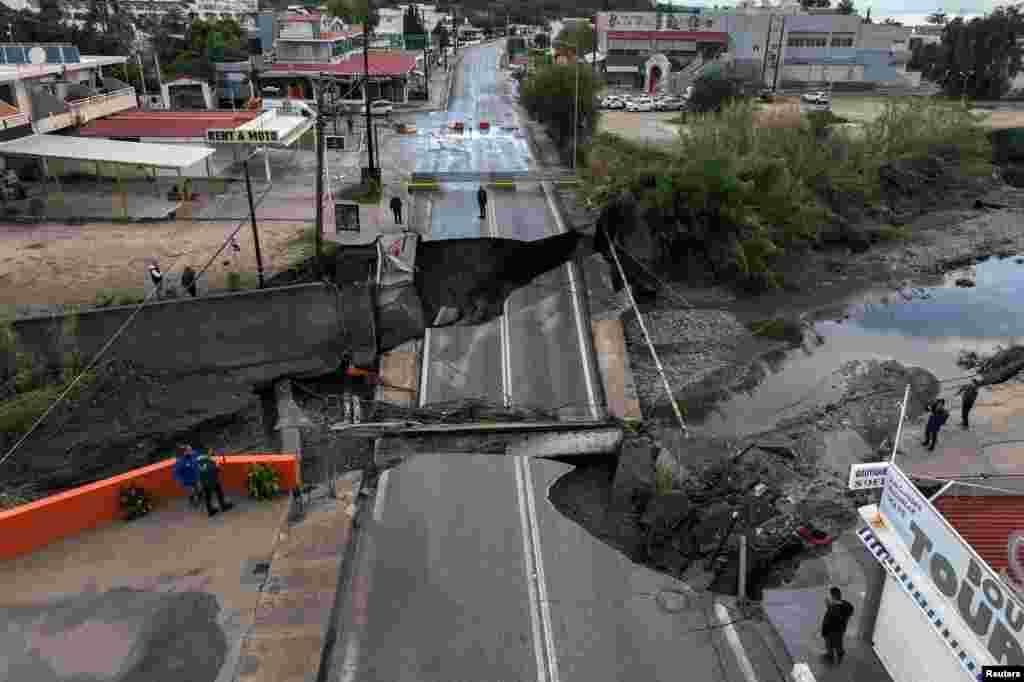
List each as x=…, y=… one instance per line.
x=346, y=216
x=241, y=136
x=335, y=142
x=868, y=476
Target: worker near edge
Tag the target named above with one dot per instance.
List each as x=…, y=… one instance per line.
x=209, y=480
x=481, y=198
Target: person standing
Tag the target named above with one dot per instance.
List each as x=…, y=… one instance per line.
x=970, y=393
x=833, y=626
x=351, y=125
x=157, y=278
x=481, y=199
x=396, y=209
x=188, y=281
x=936, y=419
x=186, y=472
x=209, y=479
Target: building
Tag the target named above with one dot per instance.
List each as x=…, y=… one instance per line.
x=782, y=47
x=51, y=87
x=392, y=77
x=948, y=599
x=315, y=38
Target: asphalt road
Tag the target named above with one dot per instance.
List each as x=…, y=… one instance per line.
x=465, y=571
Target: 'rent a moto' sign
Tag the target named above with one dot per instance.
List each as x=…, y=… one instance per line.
x=240, y=136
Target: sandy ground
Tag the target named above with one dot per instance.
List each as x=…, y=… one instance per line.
x=51, y=263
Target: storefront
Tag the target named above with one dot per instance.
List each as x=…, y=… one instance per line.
x=943, y=613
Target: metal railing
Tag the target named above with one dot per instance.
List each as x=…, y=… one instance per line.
x=77, y=104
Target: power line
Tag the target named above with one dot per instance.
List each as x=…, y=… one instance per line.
x=116, y=335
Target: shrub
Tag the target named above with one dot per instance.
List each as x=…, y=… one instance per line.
x=303, y=247
x=135, y=502
x=779, y=329
x=663, y=480
x=234, y=281
x=262, y=481
x=893, y=233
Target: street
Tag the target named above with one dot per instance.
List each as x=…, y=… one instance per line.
x=465, y=570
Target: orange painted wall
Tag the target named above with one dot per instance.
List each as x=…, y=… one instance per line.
x=34, y=525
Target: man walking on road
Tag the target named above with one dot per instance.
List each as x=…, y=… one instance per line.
x=970, y=393
x=833, y=627
x=936, y=419
x=209, y=478
x=396, y=209
x=481, y=198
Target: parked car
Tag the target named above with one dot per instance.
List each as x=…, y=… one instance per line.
x=819, y=97
x=617, y=103
x=382, y=107
x=645, y=104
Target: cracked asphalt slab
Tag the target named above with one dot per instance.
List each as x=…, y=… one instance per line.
x=466, y=570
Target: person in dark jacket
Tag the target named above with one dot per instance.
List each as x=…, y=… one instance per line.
x=351, y=125
x=970, y=393
x=209, y=479
x=186, y=472
x=936, y=419
x=396, y=209
x=188, y=281
x=481, y=198
x=833, y=627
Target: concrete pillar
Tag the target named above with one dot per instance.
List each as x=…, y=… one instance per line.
x=874, y=581
x=289, y=418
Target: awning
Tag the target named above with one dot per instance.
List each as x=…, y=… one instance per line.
x=622, y=69
x=176, y=157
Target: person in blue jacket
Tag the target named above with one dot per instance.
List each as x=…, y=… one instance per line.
x=936, y=419
x=186, y=472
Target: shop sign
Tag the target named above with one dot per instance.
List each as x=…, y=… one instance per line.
x=868, y=476
x=625, y=21
x=240, y=136
x=975, y=592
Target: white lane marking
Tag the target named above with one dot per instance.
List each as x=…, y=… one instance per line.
x=531, y=572
x=351, y=666
x=732, y=638
x=503, y=327
x=382, y=487
x=580, y=332
x=421, y=399
x=542, y=585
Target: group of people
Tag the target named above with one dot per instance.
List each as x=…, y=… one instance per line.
x=200, y=475
x=481, y=200
x=938, y=415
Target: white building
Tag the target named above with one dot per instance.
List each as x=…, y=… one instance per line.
x=779, y=46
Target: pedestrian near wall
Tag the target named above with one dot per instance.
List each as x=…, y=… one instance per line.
x=970, y=394
x=481, y=199
x=833, y=626
x=188, y=281
x=396, y=209
x=936, y=419
x=186, y=472
x=209, y=479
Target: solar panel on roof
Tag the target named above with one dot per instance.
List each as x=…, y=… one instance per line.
x=71, y=55
x=53, y=55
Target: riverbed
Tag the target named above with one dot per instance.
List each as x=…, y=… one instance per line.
x=924, y=326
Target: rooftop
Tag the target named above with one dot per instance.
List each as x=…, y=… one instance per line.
x=381, y=64
x=136, y=123
x=986, y=523
x=178, y=157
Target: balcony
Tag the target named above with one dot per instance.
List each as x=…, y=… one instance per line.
x=81, y=111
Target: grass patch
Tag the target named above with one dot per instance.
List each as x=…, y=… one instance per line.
x=778, y=329
x=893, y=233
x=303, y=248
x=367, y=193
x=663, y=480
x=105, y=299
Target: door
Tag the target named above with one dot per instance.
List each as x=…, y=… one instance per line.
x=908, y=645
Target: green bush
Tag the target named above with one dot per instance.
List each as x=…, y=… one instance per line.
x=303, y=247
x=779, y=329
x=262, y=481
x=893, y=233
x=234, y=281
x=135, y=502
x=663, y=480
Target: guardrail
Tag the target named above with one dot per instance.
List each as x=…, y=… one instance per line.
x=31, y=526
x=96, y=99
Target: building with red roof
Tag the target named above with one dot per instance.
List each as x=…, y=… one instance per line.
x=392, y=74
x=181, y=125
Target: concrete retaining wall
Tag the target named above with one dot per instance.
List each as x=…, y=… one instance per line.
x=288, y=330
x=34, y=525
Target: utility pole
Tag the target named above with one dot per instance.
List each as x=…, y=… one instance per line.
x=371, y=173
x=426, y=67
x=255, y=231
x=142, y=75
x=318, y=240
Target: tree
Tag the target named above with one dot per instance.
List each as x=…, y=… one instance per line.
x=353, y=12
x=937, y=18
x=867, y=17
x=979, y=58
x=845, y=7
x=548, y=94
x=712, y=91
x=577, y=34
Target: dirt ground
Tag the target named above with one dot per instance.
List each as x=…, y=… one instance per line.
x=51, y=263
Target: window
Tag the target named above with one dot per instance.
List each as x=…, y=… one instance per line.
x=842, y=40
x=806, y=42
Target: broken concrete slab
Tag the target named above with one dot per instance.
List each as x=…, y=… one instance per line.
x=634, y=475
x=667, y=511
x=845, y=448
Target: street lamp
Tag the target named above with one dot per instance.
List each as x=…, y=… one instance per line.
x=576, y=108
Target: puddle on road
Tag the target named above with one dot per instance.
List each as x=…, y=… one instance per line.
x=925, y=327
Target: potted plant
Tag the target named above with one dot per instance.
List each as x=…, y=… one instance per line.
x=135, y=502
x=263, y=481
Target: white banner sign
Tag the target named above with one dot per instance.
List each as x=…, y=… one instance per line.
x=242, y=136
x=975, y=593
x=867, y=476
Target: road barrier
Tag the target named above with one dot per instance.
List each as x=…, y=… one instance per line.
x=31, y=526
x=424, y=186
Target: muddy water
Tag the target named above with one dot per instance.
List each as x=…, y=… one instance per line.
x=922, y=326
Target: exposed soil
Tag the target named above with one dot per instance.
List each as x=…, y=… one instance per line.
x=57, y=264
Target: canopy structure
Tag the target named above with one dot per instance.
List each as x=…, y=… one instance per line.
x=166, y=156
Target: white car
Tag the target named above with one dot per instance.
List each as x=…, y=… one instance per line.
x=819, y=97
x=640, y=105
x=381, y=107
